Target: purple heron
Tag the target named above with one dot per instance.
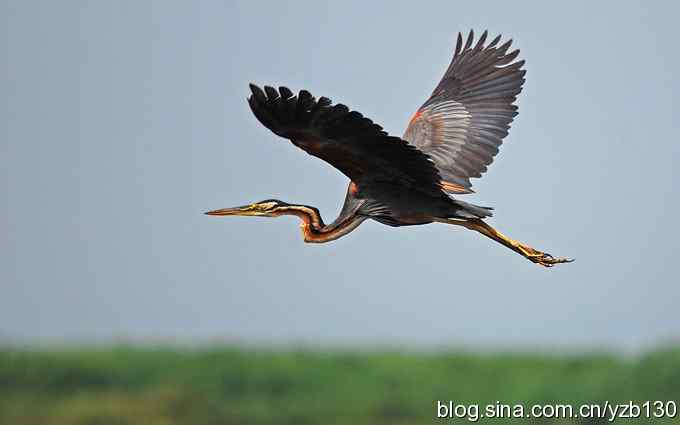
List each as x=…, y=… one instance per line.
x=410, y=180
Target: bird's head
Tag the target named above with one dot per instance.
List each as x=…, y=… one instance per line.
x=266, y=208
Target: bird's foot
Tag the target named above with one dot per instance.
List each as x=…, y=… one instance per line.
x=542, y=258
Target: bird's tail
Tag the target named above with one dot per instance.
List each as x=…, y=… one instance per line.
x=466, y=210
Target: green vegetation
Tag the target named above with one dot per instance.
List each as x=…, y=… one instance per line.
x=126, y=385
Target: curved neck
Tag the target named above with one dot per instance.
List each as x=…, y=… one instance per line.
x=313, y=228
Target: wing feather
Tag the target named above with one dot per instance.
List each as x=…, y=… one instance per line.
x=469, y=113
x=346, y=139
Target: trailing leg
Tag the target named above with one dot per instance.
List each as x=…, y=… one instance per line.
x=533, y=255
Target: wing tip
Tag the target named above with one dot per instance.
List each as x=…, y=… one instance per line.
x=257, y=94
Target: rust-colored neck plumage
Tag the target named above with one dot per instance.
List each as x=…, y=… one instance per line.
x=313, y=228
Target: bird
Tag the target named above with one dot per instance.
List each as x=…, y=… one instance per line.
x=411, y=180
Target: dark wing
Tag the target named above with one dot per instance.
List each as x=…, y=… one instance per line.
x=345, y=139
x=469, y=113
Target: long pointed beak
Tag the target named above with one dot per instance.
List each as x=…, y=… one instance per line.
x=231, y=211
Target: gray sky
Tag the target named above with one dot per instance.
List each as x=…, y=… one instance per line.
x=124, y=121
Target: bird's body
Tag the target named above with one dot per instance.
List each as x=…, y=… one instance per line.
x=410, y=180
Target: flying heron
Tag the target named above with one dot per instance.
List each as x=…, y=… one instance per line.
x=405, y=181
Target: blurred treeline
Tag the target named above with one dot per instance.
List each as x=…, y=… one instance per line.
x=226, y=385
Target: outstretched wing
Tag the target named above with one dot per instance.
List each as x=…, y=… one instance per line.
x=345, y=139
x=469, y=113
